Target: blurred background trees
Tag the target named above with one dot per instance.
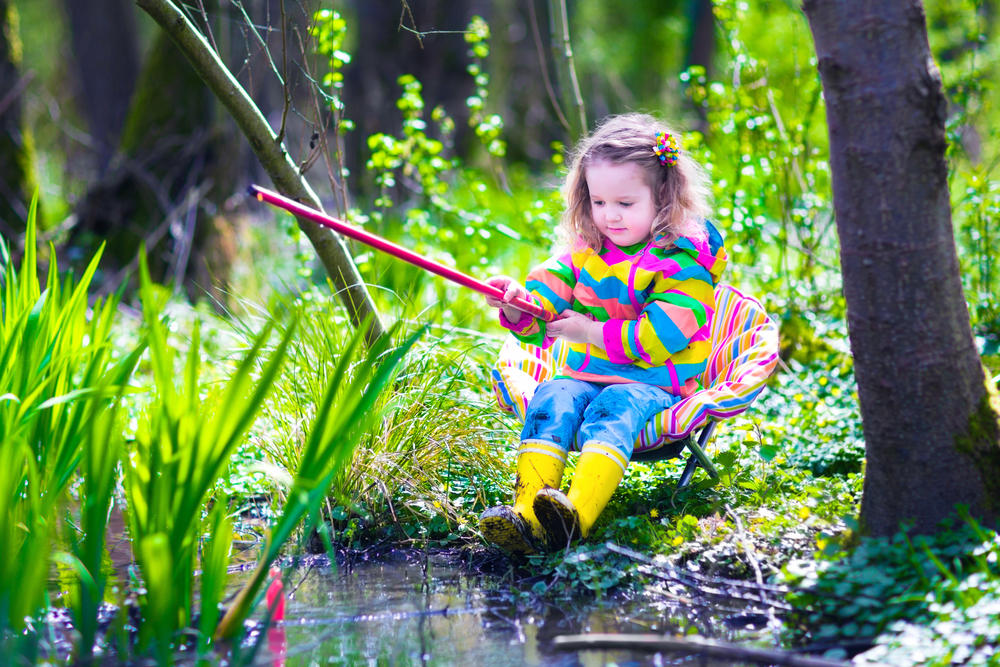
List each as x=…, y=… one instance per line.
x=448, y=133
x=131, y=148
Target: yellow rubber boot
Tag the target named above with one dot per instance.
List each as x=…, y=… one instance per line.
x=515, y=529
x=570, y=516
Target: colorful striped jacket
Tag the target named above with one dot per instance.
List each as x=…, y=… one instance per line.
x=656, y=305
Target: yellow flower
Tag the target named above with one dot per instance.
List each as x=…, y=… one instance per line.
x=654, y=513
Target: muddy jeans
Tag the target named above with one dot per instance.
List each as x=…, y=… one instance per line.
x=572, y=413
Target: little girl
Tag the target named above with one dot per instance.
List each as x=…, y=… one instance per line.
x=634, y=295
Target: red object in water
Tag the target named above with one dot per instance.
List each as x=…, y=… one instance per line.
x=276, y=596
x=395, y=250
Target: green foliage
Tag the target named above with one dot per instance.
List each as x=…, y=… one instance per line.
x=344, y=413
x=766, y=151
x=926, y=599
x=182, y=447
x=488, y=127
x=330, y=29
x=59, y=376
x=812, y=412
x=428, y=198
x=429, y=451
x=588, y=568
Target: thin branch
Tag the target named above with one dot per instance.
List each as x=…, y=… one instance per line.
x=285, y=88
x=330, y=248
x=208, y=26
x=544, y=67
x=404, y=11
x=567, y=51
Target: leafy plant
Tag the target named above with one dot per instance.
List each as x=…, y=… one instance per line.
x=342, y=415
x=934, y=596
x=182, y=447
x=59, y=375
x=430, y=453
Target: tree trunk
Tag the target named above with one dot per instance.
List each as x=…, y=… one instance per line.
x=106, y=65
x=16, y=181
x=173, y=171
x=930, y=417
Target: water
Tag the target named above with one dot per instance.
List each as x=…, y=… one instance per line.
x=406, y=609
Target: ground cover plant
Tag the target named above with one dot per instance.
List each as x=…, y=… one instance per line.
x=276, y=409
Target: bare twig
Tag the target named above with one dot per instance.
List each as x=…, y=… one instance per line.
x=285, y=88
x=748, y=549
x=718, y=587
x=208, y=26
x=405, y=10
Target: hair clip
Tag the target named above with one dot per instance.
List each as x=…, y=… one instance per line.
x=666, y=149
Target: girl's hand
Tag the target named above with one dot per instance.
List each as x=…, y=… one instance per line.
x=577, y=328
x=511, y=289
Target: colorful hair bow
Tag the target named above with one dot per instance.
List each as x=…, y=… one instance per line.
x=666, y=149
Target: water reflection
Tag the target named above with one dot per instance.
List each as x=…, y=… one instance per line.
x=405, y=610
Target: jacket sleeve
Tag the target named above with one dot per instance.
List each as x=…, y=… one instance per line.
x=675, y=316
x=551, y=287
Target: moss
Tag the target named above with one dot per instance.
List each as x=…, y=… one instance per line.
x=981, y=442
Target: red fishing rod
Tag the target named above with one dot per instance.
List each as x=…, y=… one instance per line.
x=398, y=251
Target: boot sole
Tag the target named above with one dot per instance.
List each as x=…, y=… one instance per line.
x=558, y=517
x=504, y=528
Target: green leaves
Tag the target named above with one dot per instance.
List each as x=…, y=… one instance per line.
x=934, y=596
x=343, y=414
x=182, y=448
x=58, y=378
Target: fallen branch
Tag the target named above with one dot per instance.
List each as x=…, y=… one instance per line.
x=273, y=158
x=707, y=647
x=751, y=592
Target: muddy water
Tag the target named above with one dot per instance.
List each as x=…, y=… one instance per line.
x=410, y=610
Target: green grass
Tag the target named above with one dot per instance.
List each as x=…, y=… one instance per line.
x=59, y=376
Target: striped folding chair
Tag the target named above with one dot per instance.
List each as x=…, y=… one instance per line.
x=744, y=354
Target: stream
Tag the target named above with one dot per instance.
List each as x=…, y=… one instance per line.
x=408, y=609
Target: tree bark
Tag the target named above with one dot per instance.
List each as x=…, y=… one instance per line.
x=283, y=172
x=106, y=66
x=929, y=412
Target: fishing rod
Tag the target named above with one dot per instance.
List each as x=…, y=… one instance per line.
x=398, y=251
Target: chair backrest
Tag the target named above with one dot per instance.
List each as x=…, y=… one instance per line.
x=744, y=354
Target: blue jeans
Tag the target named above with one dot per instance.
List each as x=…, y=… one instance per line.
x=612, y=414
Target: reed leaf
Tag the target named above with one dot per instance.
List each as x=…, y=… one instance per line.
x=25, y=536
x=57, y=377
x=341, y=417
x=182, y=448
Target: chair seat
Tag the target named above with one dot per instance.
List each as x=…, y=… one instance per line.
x=744, y=355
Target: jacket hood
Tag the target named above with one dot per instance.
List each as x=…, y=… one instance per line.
x=709, y=252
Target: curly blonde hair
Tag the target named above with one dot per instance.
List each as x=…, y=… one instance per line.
x=680, y=191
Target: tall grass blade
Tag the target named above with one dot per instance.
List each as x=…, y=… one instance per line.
x=340, y=418
x=183, y=446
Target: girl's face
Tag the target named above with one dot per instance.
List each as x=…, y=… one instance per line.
x=621, y=202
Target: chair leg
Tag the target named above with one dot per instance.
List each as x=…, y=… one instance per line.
x=697, y=450
x=698, y=457
x=689, y=468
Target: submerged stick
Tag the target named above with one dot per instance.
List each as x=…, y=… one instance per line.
x=398, y=251
x=707, y=647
